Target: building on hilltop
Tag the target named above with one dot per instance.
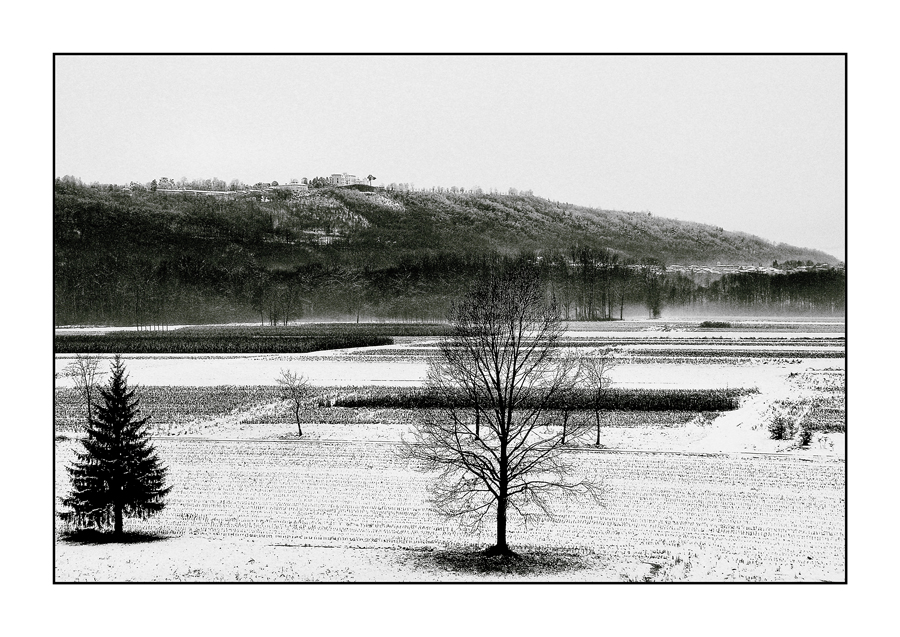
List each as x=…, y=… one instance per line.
x=296, y=187
x=343, y=179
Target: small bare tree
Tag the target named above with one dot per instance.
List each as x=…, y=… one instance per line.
x=295, y=389
x=83, y=371
x=496, y=443
x=595, y=374
x=566, y=401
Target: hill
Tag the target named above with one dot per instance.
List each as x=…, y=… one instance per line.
x=390, y=225
x=196, y=258
x=514, y=223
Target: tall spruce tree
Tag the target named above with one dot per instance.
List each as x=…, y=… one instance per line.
x=118, y=473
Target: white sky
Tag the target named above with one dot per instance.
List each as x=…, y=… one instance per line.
x=752, y=143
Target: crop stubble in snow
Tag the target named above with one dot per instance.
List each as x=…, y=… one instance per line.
x=779, y=511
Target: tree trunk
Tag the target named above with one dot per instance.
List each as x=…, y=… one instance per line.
x=597, y=418
x=297, y=418
x=501, y=548
x=477, y=421
x=117, y=530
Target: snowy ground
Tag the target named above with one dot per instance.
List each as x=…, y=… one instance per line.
x=342, y=370
x=197, y=559
x=740, y=432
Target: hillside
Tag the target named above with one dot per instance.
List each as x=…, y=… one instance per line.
x=154, y=258
x=390, y=225
x=511, y=223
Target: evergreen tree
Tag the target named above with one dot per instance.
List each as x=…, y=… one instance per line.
x=118, y=473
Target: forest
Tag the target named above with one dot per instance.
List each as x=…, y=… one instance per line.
x=150, y=259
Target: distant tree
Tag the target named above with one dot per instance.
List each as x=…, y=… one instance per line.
x=352, y=283
x=83, y=371
x=567, y=398
x=153, y=186
x=595, y=375
x=294, y=389
x=652, y=281
x=118, y=474
x=499, y=369
x=274, y=183
x=620, y=285
x=371, y=178
x=276, y=301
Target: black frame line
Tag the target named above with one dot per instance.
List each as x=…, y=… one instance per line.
x=845, y=55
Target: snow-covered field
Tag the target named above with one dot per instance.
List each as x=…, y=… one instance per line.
x=705, y=500
x=263, y=369
x=259, y=369
x=782, y=517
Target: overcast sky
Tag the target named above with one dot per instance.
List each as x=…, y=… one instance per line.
x=747, y=143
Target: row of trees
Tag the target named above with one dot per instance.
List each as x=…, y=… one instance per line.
x=214, y=183
x=233, y=286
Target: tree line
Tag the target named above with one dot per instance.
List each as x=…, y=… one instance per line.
x=233, y=286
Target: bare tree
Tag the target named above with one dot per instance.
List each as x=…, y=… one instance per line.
x=595, y=374
x=496, y=443
x=294, y=388
x=83, y=371
x=567, y=398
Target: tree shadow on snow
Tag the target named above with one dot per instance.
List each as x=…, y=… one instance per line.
x=93, y=536
x=471, y=561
